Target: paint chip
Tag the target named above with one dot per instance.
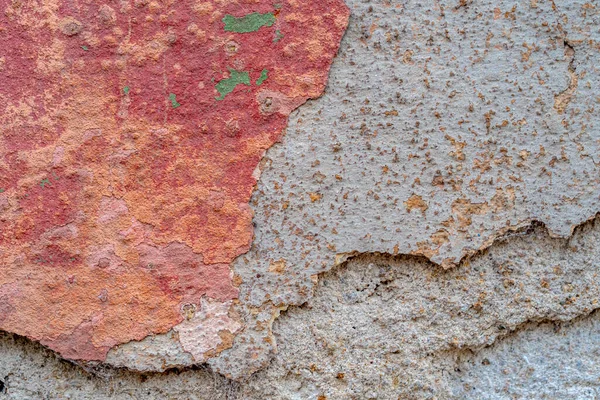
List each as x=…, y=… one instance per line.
x=248, y=23
x=263, y=77
x=173, y=98
x=226, y=86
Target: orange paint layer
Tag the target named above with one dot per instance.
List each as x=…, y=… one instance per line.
x=126, y=163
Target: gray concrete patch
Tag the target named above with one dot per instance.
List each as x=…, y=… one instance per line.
x=445, y=125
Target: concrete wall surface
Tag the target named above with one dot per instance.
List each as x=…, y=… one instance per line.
x=425, y=229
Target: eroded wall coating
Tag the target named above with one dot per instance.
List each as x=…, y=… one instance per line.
x=446, y=125
x=130, y=133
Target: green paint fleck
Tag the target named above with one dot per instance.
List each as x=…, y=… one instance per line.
x=126, y=90
x=85, y=48
x=173, y=98
x=278, y=36
x=226, y=86
x=45, y=182
x=2, y=190
x=277, y=6
x=248, y=23
x=263, y=77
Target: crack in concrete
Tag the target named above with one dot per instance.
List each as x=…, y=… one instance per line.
x=438, y=355
x=526, y=325
x=508, y=233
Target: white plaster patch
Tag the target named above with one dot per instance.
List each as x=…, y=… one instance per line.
x=203, y=331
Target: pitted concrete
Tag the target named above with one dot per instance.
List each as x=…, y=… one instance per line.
x=393, y=254
x=518, y=321
x=445, y=126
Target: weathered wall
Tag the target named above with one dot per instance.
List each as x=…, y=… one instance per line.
x=420, y=231
x=129, y=141
x=517, y=322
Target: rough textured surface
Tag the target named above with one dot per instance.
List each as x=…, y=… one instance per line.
x=130, y=137
x=446, y=126
x=382, y=327
x=503, y=327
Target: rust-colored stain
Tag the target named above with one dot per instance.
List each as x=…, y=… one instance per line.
x=130, y=133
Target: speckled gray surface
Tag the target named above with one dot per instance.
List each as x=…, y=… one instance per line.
x=447, y=125
x=396, y=327
x=552, y=361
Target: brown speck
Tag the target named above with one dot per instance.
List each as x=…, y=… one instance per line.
x=103, y=263
x=70, y=26
x=416, y=202
x=315, y=196
x=278, y=266
x=544, y=283
x=188, y=311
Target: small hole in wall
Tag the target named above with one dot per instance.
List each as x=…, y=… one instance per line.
x=2, y=386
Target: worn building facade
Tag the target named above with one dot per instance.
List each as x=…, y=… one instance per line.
x=410, y=215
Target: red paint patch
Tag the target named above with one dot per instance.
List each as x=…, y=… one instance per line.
x=125, y=182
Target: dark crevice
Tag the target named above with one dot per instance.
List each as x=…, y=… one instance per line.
x=105, y=373
x=520, y=231
x=533, y=228
x=466, y=352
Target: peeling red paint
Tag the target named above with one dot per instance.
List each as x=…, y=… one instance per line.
x=124, y=181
